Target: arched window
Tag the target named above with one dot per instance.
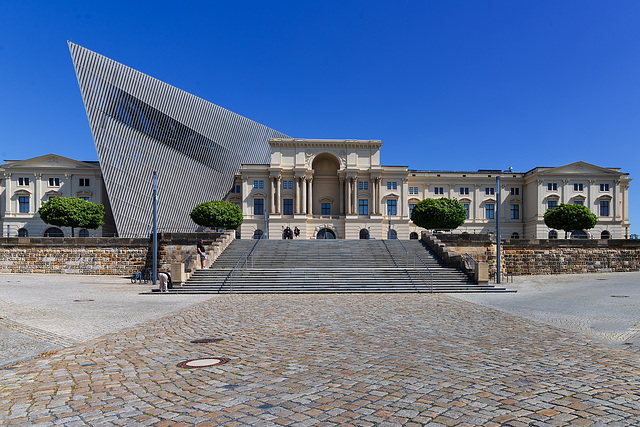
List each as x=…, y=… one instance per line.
x=605, y=235
x=257, y=234
x=579, y=234
x=413, y=236
x=83, y=233
x=393, y=234
x=515, y=236
x=23, y=232
x=53, y=232
x=553, y=234
x=364, y=234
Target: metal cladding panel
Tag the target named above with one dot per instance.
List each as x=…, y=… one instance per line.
x=140, y=125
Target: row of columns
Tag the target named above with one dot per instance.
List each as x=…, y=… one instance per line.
x=349, y=196
x=304, y=187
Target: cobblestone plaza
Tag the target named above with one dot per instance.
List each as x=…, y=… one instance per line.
x=358, y=359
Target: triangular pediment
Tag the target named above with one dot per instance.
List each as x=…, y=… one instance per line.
x=580, y=168
x=50, y=161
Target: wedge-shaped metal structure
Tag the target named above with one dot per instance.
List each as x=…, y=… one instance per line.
x=140, y=125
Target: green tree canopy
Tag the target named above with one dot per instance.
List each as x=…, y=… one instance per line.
x=217, y=214
x=72, y=212
x=570, y=218
x=440, y=214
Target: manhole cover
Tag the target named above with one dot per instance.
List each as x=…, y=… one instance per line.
x=203, y=363
x=619, y=296
x=206, y=340
x=83, y=300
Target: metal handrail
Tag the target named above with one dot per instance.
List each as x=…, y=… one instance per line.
x=187, y=262
x=405, y=252
x=428, y=269
x=473, y=264
x=229, y=277
x=253, y=250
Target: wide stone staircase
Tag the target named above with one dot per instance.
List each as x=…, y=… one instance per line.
x=329, y=266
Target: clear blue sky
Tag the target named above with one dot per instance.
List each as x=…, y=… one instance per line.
x=447, y=85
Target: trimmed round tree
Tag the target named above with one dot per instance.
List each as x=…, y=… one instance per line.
x=569, y=217
x=217, y=214
x=439, y=214
x=72, y=212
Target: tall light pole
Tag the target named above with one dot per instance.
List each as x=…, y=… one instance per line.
x=498, y=203
x=154, y=272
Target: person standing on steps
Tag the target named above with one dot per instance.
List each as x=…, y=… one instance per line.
x=163, y=280
x=201, y=252
x=296, y=232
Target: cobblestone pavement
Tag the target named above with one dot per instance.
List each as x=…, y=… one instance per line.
x=604, y=306
x=358, y=359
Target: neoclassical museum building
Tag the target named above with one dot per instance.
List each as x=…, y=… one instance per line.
x=338, y=189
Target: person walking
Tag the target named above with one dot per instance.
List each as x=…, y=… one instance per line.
x=201, y=252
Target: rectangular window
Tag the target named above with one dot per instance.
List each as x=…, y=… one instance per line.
x=415, y=190
x=411, y=206
x=439, y=190
x=515, y=191
x=363, y=207
x=23, y=204
x=261, y=184
x=87, y=199
x=392, y=206
x=84, y=182
x=258, y=206
x=255, y=184
x=325, y=209
x=464, y=191
x=466, y=209
x=515, y=211
x=604, y=187
x=578, y=187
x=23, y=181
x=552, y=186
x=552, y=204
x=488, y=211
x=290, y=184
x=287, y=207
x=604, y=208
x=238, y=189
x=489, y=191
x=363, y=185
x=388, y=185
x=578, y=202
x=394, y=185
x=54, y=182
x=410, y=190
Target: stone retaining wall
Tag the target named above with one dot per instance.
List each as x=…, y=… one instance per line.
x=101, y=255
x=541, y=256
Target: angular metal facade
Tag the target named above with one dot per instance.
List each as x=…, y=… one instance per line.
x=140, y=125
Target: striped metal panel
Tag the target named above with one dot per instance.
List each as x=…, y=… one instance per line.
x=140, y=124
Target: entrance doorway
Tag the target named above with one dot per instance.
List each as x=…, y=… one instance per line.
x=325, y=233
x=364, y=234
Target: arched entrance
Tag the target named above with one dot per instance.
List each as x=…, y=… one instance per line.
x=579, y=234
x=605, y=235
x=326, y=187
x=53, y=232
x=364, y=234
x=326, y=233
x=392, y=234
x=413, y=236
x=257, y=234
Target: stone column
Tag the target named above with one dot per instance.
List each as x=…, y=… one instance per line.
x=304, y=195
x=348, y=196
x=355, y=195
x=7, y=195
x=272, y=183
x=476, y=200
x=341, y=211
x=565, y=191
x=297, y=209
x=592, y=196
x=310, y=196
x=373, y=196
x=36, y=192
x=278, y=192
x=404, y=196
x=615, y=210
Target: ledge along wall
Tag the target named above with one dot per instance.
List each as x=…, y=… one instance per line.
x=540, y=256
x=99, y=255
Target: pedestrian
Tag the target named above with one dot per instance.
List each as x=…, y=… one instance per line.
x=201, y=252
x=296, y=231
x=163, y=280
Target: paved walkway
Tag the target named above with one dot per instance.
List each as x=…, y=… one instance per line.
x=330, y=360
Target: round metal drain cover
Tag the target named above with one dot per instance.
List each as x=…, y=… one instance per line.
x=206, y=340
x=203, y=363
